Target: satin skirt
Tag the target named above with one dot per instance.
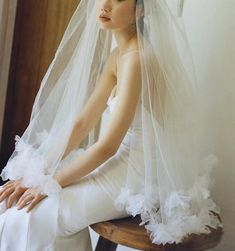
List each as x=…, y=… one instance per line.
x=60, y=222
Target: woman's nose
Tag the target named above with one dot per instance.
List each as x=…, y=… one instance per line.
x=106, y=6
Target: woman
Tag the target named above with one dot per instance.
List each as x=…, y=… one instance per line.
x=139, y=165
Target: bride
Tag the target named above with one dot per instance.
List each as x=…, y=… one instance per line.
x=63, y=178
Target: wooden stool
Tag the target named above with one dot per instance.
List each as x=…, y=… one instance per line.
x=127, y=232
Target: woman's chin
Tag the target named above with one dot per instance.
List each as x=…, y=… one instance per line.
x=105, y=24
x=105, y=27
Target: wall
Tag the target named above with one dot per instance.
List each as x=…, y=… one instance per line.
x=211, y=30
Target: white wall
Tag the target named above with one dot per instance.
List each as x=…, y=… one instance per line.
x=211, y=29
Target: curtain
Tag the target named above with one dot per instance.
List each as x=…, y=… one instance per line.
x=7, y=20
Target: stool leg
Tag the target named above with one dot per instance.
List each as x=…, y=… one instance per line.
x=104, y=244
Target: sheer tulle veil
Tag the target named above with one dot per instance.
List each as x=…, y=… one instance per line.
x=175, y=197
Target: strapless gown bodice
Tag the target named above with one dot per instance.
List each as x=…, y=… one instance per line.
x=134, y=132
x=111, y=103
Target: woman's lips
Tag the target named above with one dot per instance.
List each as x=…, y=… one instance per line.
x=104, y=19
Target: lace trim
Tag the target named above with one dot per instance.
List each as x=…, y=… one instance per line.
x=185, y=212
x=30, y=166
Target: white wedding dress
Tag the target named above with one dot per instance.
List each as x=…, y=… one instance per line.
x=68, y=215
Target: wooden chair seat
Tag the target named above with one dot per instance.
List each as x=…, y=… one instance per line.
x=127, y=232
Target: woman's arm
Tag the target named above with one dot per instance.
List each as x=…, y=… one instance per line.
x=95, y=105
x=120, y=120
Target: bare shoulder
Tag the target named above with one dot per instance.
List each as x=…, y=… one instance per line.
x=127, y=59
x=130, y=58
x=129, y=65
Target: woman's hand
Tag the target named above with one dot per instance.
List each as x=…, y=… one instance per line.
x=30, y=197
x=12, y=190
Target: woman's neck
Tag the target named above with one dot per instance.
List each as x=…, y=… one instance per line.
x=126, y=38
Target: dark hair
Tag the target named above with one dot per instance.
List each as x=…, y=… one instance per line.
x=141, y=19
